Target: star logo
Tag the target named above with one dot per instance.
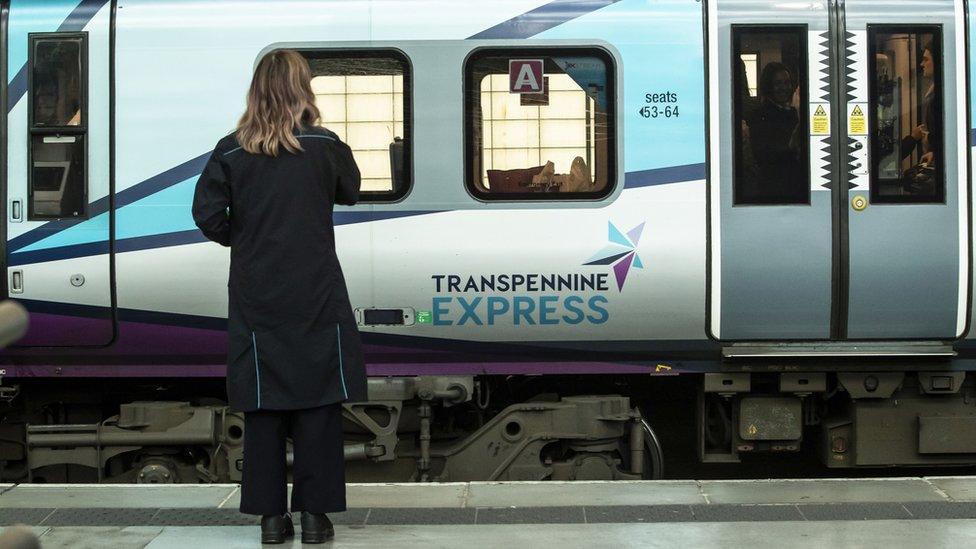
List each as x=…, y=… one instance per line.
x=620, y=251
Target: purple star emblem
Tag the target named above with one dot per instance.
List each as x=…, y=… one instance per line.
x=620, y=251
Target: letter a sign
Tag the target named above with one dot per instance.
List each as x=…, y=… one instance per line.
x=525, y=76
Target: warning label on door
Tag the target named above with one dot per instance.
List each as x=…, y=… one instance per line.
x=820, y=119
x=857, y=122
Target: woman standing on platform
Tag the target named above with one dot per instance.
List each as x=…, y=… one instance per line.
x=294, y=350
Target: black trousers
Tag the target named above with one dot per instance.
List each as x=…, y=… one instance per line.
x=318, y=471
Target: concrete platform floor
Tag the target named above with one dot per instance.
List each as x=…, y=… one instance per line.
x=889, y=513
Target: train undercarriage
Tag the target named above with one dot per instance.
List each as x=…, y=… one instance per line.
x=463, y=428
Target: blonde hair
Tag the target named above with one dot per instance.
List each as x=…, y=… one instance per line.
x=280, y=99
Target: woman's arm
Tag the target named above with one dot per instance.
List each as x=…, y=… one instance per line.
x=348, y=179
x=211, y=202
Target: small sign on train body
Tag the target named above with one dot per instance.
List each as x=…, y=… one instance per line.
x=525, y=76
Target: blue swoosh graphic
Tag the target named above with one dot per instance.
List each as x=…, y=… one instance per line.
x=542, y=19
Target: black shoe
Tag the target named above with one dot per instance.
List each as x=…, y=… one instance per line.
x=276, y=528
x=316, y=528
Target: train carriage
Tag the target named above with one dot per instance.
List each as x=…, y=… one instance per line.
x=769, y=199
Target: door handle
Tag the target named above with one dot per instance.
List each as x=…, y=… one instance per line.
x=16, y=210
x=17, y=281
x=371, y=316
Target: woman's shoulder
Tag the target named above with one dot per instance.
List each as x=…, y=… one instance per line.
x=321, y=133
x=227, y=144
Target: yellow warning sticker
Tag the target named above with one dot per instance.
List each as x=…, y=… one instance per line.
x=856, y=122
x=820, y=123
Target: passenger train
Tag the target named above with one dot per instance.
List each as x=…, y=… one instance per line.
x=567, y=205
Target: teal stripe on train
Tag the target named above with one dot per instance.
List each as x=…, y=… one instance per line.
x=28, y=16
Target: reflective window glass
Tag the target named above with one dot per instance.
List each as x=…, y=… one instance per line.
x=770, y=131
x=539, y=123
x=57, y=82
x=364, y=98
x=907, y=134
x=57, y=188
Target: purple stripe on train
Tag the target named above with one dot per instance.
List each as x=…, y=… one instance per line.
x=60, y=330
x=380, y=369
x=157, y=350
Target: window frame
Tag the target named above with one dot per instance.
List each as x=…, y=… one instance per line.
x=396, y=195
x=471, y=128
x=802, y=30
x=873, y=30
x=34, y=130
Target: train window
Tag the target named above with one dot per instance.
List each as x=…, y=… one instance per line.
x=907, y=157
x=57, y=176
x=364, y=97
x=57, y=180
x=57, y=81
x=769, y=95
x=539, y=123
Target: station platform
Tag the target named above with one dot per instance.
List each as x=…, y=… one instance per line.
x=888, y=512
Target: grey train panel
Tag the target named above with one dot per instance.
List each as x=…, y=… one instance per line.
x=775, y=290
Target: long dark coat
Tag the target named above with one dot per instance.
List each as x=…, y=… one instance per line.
x=293, y=337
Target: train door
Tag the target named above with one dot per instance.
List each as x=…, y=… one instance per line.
x=907, y=207
x=769, y=160
x=57, y=169
x=837, y=183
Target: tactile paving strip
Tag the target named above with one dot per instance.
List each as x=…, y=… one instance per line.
x=10, y=517
x=201, y=517
x=99, y=517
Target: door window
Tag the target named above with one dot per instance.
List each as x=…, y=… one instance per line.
x=907, y=131
x=769, y=99
x=57, y=180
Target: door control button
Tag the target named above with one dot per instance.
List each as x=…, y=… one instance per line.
x=859, y=203
x=77, y=280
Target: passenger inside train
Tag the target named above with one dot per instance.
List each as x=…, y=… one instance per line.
x=774, y=131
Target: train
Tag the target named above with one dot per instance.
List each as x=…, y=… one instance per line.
x=586, y=226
